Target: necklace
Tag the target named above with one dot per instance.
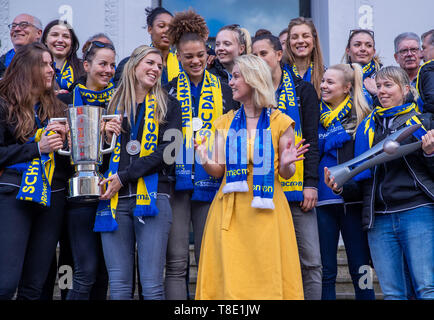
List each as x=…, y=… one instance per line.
x=252, y=117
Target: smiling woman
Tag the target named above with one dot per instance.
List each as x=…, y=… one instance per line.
x=140, y=182
x=203, y=99
x=62, y=42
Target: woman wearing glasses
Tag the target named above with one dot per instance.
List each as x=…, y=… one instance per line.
x=33, y=176
x=361, y=49
x=94, y=88
x=231, y=42
x=60, y=39
x=304, y=52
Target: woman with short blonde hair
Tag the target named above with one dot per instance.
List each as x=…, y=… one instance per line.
x=249, y=248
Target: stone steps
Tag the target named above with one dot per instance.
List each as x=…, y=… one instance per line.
x=344, y=284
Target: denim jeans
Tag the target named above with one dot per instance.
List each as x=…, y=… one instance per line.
x=185, y=212
x=333, y=219
x=86, y=248
x=306, y=232
x=404, y=237
x=28, y=237
x=119, y=248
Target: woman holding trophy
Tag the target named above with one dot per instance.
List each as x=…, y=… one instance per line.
x=135, y=207
x=32, y=178
x=398, y=204
x=95, y=89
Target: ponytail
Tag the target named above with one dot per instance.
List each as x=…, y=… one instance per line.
x=359, y=100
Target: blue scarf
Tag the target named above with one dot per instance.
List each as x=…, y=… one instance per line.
x=263, y=159
x=288, y=104
x=37, y=174
x=210, y=108
x=336, y=135
x=366, y=130
x=64, y=76
x=84, y=96
x=147, y=187
x=9, y=56
x=307, y=76
x=368, y=70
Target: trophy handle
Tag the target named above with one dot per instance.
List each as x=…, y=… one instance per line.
x=61, y=151
x=114, y=137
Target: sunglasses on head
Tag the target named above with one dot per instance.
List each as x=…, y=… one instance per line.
x=100, y=45
x=356, y=31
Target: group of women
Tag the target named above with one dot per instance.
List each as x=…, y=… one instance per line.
x=237, y=146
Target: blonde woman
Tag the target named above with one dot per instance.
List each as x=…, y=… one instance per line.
x=343, y=107
x=135, y=208
x=249, y=249
x=231, y=41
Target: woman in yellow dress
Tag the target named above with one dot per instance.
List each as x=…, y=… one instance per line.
x=249, y=249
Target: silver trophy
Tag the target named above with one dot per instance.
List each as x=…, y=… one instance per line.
x=392, y=150
x=86, y=149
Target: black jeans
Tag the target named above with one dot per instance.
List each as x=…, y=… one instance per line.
x=86, y=251
x=28, y=237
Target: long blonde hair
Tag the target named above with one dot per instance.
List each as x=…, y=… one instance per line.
x=125, y=96
x=352, y=73
x=257, y=74
x=316, y=56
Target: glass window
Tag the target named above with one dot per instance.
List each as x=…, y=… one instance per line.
x=273, y=15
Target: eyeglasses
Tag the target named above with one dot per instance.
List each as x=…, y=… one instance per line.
x=98, y=44
x=356, y=31
x=22, y=25
x=411, y=51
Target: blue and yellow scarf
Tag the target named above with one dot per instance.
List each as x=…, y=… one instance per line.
x=147, y=187
x=84, y=96
x=263, y=159
x=64, y=76
x=368, y=70
x=307, y=76
x=37, y=175
x=288, y=104
x=366, y=130
x=210, y=108
x=336, y=135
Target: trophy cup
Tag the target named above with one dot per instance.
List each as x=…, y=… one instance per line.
x=85, y=151
x=392, y=150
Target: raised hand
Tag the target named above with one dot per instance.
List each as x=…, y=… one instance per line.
x=292, y=153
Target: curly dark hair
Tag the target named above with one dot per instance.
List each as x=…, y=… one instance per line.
x=187, y=26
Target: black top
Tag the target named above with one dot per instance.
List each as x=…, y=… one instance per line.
x=13, y=151
x=309, y=116
x=426, y=86
x=131, y=168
